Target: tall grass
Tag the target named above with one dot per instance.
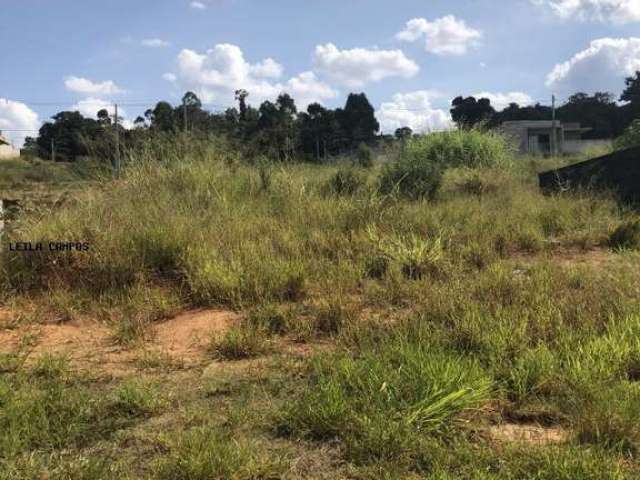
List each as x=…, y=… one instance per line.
x=442, y=313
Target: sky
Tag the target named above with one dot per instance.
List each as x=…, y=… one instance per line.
x=411, y=57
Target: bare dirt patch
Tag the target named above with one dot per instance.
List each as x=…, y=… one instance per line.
x=187, y=336
x=527, y=433
x=89, y=346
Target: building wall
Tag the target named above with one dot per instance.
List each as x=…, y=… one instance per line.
x=582, y=146
x=7, y=151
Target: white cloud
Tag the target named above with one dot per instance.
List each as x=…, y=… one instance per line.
x=88, y=87
x=155, y=43
x=307, y=89
x=198, y=5
x=359, y=66
x=216, y=74
x=18, y=116
x=90, y=106
x=601, y=67
x=500, y=101
x=170, y=77
x=268, y=68
x=443, y=36
x=617, y=11
x=413, y=110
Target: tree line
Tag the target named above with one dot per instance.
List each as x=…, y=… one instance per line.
x=277, y=130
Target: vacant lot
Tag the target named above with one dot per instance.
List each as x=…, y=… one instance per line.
x=242, y=321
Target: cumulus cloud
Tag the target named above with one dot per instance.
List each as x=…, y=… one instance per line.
x=88, y=87
x=155, y=43
x=443, y=36
x=617, y=11
x=413, y=110
x=89, y=107
x=601, y=67
x=499, y=100
x=215, y=75
x=198, y=5
x=307, y=89
x=359, y=66
x=17, y=116
x=267, y=68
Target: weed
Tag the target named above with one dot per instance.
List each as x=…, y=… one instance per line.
x=626, y=236
x=240, y=342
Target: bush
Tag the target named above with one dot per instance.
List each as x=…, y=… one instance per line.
x=626, y=236
x=412, y=177
x=364, y=156
x=418, y=172
x=346, y=181
x=243, y=341
x=461, y=148
x=630, y=138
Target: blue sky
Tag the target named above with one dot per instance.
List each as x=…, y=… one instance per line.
x=72, y=54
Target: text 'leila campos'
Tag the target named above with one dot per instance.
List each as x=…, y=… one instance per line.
x=48, y=247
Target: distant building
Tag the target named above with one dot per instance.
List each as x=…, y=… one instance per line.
x=6, y=149
x=534, y=137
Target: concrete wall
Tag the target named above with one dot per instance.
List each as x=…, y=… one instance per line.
x=582, y=146
x=7, y=151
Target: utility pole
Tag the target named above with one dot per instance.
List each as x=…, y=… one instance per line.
x=184, y=114
x=554, y=138
x=53, y=150
x=117, y=142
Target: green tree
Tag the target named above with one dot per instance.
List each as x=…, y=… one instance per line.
x=358, y=120
x=631, y=93
x=68, y=134
x=469, y=112
x=403, y=133
x=104, y=118
x=161, y=117
x=598, y=111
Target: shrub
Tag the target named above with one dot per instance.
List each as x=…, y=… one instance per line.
x=461, y=148
x=418, y=172
x=240, y=342
x=630, y=138
x=626, y=236
x=413, y=177
x=346, y=181
x=414, y=255
x=364, y=155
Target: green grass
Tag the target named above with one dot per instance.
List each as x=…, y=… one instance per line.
x=433, y=317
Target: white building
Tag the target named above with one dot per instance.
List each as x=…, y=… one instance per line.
x=535, y=137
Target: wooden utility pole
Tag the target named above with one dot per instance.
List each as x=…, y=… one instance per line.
x=184, y=114
x=53, y=150
x=117, y=142
x=554, y=138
